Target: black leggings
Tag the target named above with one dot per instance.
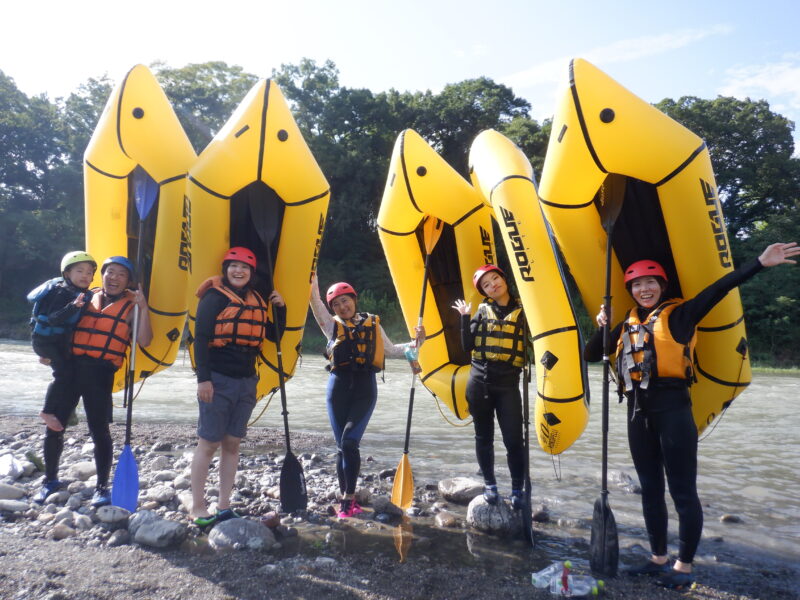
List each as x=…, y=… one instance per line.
x=93, y=381
x=662, y=442
x=352, y=396
x=484, y=400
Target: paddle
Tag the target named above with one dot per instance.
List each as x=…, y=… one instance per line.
x=403, y=488
x=604, y=544
x=125, y=491
x=294, y=495
x=527, y=513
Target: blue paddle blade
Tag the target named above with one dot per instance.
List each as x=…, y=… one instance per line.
x=125, y=492
x=145, y=192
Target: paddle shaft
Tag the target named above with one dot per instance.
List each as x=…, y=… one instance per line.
x=131, y=376
x=281, y=380
x=414, y=375
x=606, y=366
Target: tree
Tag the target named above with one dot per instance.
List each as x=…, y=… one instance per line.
x=33, y=155
x=204, y=96
x=751, y=150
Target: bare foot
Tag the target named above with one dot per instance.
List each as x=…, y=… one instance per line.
x=51, y=421
x=44, y=361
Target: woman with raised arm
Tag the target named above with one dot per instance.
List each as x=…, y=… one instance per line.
x=357, y=346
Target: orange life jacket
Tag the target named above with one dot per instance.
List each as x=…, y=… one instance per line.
x=243, y=321
x=103, y=331
x=646, y=350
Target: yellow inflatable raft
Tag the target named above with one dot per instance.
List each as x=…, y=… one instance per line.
x=139, y=150
x=607, y=141
x=505, y=177
x=258, y=185
x=421, y=185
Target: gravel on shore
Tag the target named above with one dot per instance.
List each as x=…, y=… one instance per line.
x=357, y=559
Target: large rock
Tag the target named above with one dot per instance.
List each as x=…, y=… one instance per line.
x=10, y=492
x=147, y=529
x=497, y=519
x=82, y=470
x=383, y=504
x=460, y=490
x=165, y=475
x=62, y=531
x=113, y=514
x=10, y=467
x=161, y=493
x=13, y=506
x=240, y=534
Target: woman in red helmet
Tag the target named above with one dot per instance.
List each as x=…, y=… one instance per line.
x=656, y=372
x=496, y=338
x=232, y=322
x=357, y=346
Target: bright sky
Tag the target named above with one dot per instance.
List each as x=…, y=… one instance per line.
x=702, y=48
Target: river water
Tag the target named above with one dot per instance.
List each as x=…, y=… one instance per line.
x=748, y=464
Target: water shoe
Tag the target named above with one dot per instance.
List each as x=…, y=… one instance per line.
x=226, y=514
x=676, y=580
x=49, y=487
x=101, y=497
x=204, y=522
x=346, y=509
x=490, y=494
x=357, y=510
x=648, y=567
x=517, y=499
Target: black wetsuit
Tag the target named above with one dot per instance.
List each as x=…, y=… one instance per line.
x=493, y=387
x=662, y=434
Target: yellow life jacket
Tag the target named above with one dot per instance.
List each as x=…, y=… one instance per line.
x=647, y=350
x=242, y=322
x=498, y=338
x=356, y=346
x=103, y=331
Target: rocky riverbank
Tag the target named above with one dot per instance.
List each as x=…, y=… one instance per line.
x=65, y=549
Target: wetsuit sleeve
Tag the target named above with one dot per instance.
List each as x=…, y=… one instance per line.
x=58, y=306
x=593, y=351
x=684, y=319
x=211, y=304
x=279, y=324
x=469, y=328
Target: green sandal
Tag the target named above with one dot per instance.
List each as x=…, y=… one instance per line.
x=204, y=522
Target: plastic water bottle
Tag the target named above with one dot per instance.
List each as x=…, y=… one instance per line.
x=541, y=579
x=412, y=354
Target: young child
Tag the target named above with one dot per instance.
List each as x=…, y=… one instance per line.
x=57, y=306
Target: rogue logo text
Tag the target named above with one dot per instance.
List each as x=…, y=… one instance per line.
x=717, y=224
x=517, y=245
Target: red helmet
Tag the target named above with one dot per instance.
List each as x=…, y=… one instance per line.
x=643, y=268
x=476, y=279
x=339, y=289
x=242, y=255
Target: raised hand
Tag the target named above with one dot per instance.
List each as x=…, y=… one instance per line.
x=462, y=307
x=779, y=254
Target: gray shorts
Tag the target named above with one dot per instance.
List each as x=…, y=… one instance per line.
x=229, y=410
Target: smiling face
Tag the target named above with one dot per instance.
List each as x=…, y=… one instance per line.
x=80, y=274
x=494, y=286
x=344, y=306
x=238, y=274
x=115, y=279
x=647, y=291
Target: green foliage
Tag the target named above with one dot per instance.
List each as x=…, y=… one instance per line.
x=751, y=150
x=352, y=133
